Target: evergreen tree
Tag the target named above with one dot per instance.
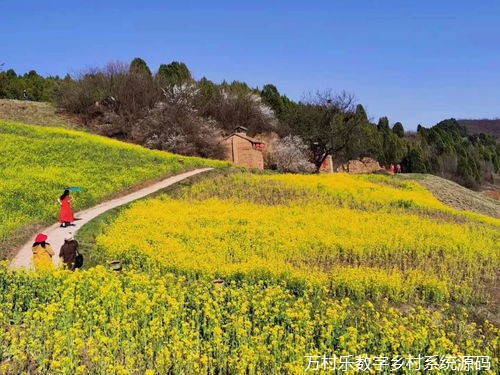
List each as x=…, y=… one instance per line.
x=175, y=73
x=361, y=113
x=271, y=96
x=139, y=66
x=398, y=129
x=414, y=161
x=383, y=124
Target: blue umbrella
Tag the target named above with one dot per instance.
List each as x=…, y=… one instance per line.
x=74, y=188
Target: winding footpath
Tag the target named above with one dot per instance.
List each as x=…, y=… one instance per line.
x=56, y=234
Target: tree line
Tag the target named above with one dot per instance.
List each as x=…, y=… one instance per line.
x=29, y=86
x=170, y=110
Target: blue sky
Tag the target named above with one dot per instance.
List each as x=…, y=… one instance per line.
x=413, y=61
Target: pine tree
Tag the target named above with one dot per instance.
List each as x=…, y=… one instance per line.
x=398, y=129
x=175, y=73
x=139, y=66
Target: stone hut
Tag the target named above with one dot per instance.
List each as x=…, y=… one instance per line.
x=244, y=151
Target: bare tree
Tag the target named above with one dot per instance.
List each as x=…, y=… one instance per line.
x=187, y=117
x=177, y=128
x=328, y=122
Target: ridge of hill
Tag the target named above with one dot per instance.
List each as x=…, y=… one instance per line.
x=486, y=126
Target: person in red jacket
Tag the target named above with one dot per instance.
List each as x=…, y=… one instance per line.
x=66, y=215
x=391, y=168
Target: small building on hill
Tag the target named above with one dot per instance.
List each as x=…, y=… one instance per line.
x=244, y=151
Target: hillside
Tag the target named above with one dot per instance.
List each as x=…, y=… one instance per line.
x=279, y=220
x=490, y=127
x=236, y=272
x=240, y=273
x=36, y=163
x=457, y=196
x=265, y=268
x=39, y=113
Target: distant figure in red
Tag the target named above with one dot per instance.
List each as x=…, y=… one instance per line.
x=66, y=216
x=398, y=168
x=391, y=168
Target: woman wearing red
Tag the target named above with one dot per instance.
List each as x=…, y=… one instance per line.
x=42, y=253
x=66, y=216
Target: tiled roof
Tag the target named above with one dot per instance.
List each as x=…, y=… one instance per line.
x=244, y=136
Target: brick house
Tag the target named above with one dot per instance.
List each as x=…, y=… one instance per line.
x=244, y=151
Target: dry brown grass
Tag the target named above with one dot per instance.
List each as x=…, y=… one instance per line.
x=493, y=194
x=36, y=113
x=457, y=196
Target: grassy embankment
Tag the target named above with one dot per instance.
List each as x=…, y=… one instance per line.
x=39, y=113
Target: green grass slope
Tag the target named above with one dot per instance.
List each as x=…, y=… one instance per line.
x=36, y=163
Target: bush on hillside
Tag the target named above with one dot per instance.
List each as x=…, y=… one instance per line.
x=179, y=130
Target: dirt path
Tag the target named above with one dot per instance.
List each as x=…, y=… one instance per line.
x=56, y=234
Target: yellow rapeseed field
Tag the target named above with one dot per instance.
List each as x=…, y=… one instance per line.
x=357, y=237
x=100, y=322
x=361, y=274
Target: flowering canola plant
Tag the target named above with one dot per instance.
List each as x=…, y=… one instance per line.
x=101, y=322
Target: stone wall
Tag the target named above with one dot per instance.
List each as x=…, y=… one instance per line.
x=364, y=165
